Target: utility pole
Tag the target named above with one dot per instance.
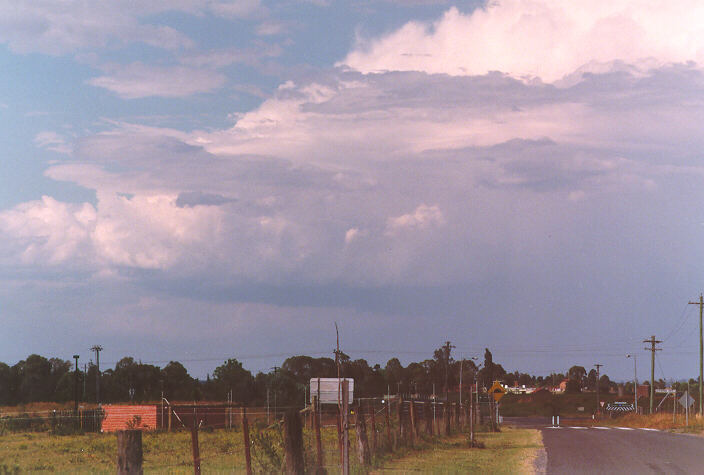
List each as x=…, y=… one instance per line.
x=597, y=387
x=275, y=368
x=97, y=349
x=635, y=379
x=701, y=351
x=85, y=376
x=337, y=365
x=448, y=349
x=652, y=349
x=75, y=385
x=461, y=361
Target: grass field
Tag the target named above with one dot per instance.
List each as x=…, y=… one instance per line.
x=510, y=451
x=222, y=451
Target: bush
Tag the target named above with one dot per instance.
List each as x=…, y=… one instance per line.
x=23, y=423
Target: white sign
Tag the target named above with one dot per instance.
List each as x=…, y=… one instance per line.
x=664, y=391
x=686, y=400
x=329, y=388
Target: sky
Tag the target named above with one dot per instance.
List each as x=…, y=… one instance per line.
x=197, y=180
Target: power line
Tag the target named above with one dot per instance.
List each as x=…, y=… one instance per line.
x=682, y=320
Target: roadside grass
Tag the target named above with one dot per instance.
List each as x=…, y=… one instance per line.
x=509, y=451
x=661, y=421
x=222, y=451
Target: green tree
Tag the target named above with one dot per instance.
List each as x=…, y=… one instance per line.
x=393, y=372
x=232, y=376
x=178, y=384
x=35, y=379
x=576, y=378
x=6, y=396
x=488, y=369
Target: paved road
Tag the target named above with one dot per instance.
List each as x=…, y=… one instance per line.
x=575, y=449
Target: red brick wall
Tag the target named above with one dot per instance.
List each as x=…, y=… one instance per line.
x=117, y=417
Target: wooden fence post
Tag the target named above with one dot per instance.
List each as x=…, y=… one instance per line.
x=472, y=410
x=345, y=428
x=293, y=443
x=362, y=441
x=339, y=433
x=428, y=416
x=446, y=416
x=320, y=469
x=491, y=413
x=245, y=433
x=412, y=414
x=196, y=449
x=387, y=414
x=129, y=452
x=399, y=411
x=373, y=413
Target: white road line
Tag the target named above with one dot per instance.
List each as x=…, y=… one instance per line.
x=624, y=428
x=648, y=428
x=578, y=427
x=553, y=427
x=602, y=428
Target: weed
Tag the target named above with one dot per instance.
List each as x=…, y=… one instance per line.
x=267, y=449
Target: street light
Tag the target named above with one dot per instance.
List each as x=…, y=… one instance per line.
x=635, y=379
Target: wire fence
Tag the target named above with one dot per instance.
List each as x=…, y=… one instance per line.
x=216, y=437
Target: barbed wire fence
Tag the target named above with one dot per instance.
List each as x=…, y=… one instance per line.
x=221, y=434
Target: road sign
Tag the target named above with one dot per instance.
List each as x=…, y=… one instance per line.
x=497, y=391
x=328, y=391
x=686, y=400
x=619, y=406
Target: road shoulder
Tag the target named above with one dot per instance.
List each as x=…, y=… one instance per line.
x=510, y=451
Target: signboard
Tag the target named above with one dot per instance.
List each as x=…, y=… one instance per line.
x=329, y=389
x=686, y=400
x=497, y=391
x=620, y=407
x=664, y=391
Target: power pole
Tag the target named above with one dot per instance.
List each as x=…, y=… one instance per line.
x=597, y=386
x=97, y=349
x=448, y=349
x=461, y=361
x=75, y=385
x=275, y=368
x=652, y=349
x=635, y=379
x=337, y=365
x=701, y=351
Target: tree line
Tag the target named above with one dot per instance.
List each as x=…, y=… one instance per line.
x=52, y=379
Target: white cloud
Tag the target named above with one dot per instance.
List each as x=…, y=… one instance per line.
x=540, y=38
x=52, y=141
x=148, y=232
x=58, y=27
x=48, y=231
x=422, y=217
x=138, y=80
x=271, y=28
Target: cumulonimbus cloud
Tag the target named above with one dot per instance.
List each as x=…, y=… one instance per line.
x=540, y=38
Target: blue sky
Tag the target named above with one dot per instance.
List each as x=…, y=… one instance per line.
x=204, y=179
